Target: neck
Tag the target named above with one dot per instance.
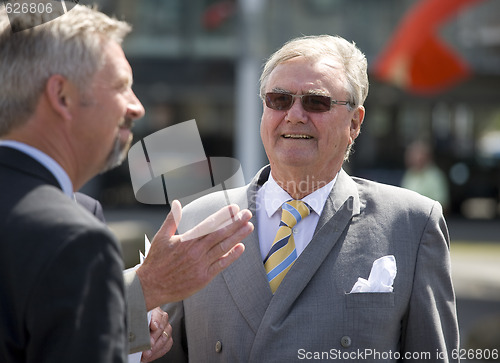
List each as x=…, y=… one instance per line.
x=300, y=184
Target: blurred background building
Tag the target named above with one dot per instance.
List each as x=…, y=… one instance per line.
x=201, y=59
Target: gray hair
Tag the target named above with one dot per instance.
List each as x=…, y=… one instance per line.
x=70, y=45
x=350, y=57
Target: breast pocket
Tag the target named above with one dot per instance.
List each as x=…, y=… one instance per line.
x=371, y=320
x=368, y=300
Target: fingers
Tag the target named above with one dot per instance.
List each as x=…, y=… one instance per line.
x=225, y=244
x=224, y=239
x=159, y=320
x=226, y=260
x=160, y=347
x=229, y=250
x=222, y=246
x=216, y=221
x=161, y=336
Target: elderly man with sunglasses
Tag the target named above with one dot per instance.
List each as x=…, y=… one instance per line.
x=337, y=268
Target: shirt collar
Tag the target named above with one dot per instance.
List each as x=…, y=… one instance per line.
x=58, y=172
x=275, y=196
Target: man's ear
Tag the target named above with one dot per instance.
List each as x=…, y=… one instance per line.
x=357, y=120
x=60, y=94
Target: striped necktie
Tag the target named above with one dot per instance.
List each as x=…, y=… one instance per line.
x=283, y=253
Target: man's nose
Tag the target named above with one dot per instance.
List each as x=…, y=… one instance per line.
x=135, y=108
x=296, y=113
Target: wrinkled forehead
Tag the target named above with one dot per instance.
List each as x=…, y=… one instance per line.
x=304, y=74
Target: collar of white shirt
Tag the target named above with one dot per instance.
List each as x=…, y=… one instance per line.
x=275, y=196
x=58, y=172
x=270, y=197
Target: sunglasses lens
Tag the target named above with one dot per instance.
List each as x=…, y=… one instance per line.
x=279, y=101
x=316, y=103
x=310, y=103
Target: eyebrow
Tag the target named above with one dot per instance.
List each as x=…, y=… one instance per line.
x=280, y=90
x=309, y=92
x=124, y=80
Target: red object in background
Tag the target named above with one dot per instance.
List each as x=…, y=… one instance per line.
x=216, y=14
x=415, y=59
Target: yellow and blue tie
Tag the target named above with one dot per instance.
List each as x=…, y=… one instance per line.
x=283, y=253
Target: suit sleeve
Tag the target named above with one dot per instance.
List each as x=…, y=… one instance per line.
x=77, y=311
x=431, y=322
x=138, y=329
x=137, y=320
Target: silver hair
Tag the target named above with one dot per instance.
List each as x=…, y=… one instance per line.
x=315, y=47
x=70, y=45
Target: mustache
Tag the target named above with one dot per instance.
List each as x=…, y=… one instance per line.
x=127, y=122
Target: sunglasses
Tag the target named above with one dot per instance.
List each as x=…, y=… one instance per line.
x=311, y=103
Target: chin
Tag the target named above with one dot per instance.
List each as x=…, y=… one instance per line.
x=296, y=158
x=118, y=153
x=296, y=163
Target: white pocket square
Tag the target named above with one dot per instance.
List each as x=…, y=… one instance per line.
x=381, y=276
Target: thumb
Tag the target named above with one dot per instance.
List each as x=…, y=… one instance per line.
x=173, y=219
x=154, y=326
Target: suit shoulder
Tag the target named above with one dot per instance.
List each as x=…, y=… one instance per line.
x=53, y=216
x=215, y=201
x=201, y=208
x=45, y=228
x=393, y=196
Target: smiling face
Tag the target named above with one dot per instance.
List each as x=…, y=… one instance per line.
x=302, y=144
x=107, y=110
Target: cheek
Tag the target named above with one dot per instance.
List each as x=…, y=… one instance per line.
x=271, y=119
x=344, y=128
x=266, y=126
x=336, y=135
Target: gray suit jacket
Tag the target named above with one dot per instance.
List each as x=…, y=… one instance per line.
x=236, y=318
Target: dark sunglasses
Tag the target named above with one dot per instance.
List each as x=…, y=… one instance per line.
x=311, y=103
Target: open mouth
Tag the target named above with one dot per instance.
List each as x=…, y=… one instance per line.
x=296, y=136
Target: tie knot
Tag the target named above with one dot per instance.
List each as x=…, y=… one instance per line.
x=293, y=212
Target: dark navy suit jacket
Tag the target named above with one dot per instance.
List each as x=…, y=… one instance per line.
x=61, y=283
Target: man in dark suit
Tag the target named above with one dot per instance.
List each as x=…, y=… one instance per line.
x=66, y=112
x=160, y=329
x=338, y=268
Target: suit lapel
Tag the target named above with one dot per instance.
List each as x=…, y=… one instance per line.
x=344, y=189
x=342, y=204
x=246, y=278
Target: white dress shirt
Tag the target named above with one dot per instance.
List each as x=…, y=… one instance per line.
x=56, y=169
x=270, y=197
